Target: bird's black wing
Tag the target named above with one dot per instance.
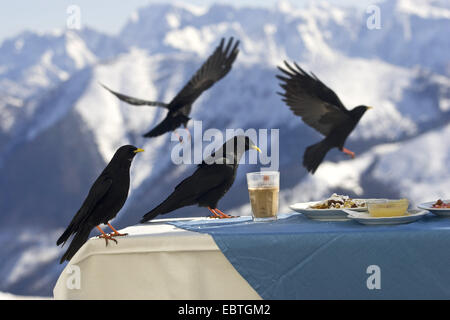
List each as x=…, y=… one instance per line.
x=135, y=101
x=170, y=122
x=188, y=191
x=163, y=127
x=205, y=178
x=311, y=99
x=96, y=194
x=214, y=69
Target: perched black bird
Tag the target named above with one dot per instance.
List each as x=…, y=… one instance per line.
x=210, y=182
x=320, y=108
x=105, y=199
x=214, y=69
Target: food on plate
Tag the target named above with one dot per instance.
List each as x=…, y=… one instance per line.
x=339, y=202
x=441, y=204
x=388, y=208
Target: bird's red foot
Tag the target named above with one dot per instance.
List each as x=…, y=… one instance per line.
x=223, y=215
x=180, y=138
x=350, y=153
x=117, y=233
x=106, y=236
x=215, y=215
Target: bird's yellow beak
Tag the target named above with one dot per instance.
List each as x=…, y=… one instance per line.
x=369, y=107
x=256, y=148
x=138, y=150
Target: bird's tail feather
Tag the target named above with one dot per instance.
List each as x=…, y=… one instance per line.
x=77, y=242
x=314, y=155
x=67, y=233
x=156, y=104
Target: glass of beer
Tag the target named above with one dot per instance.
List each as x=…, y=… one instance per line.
x=263, y=189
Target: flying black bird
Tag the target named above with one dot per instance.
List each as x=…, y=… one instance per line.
x=320, y=108
x=210, y=182
x=214, y=69
x=105, y=199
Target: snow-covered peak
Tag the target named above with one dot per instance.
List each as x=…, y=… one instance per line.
x=309, y=31
x=427, y=9
x=62, y=50
x=284, y=6
x=33, y=62
x=141, y=29
x=265, y=34
x=28, y=47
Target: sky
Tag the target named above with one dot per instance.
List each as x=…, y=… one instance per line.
x=103, y=15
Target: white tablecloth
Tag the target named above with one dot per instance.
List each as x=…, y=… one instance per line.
x=155, y=261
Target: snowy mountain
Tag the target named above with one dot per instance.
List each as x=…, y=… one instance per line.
x=32, y=65
x=58, y=127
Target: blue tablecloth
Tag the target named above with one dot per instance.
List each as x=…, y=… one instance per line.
x=297, y=258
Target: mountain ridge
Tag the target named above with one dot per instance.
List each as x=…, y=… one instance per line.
x=66, y=126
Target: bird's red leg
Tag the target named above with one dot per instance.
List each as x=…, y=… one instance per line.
x=222, y=215
x=105, y=236
x=350, y=153
x=189, y=133
x=179, y=137
x=116, y=233
x=215, y=215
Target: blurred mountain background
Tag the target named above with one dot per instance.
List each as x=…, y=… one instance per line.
x=58, y=127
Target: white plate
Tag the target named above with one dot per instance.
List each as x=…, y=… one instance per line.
x=366, y=218
x=445, y=212
x=323, y=214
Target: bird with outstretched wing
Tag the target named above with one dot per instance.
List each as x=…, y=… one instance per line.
x=320, y=108
x=215, y=68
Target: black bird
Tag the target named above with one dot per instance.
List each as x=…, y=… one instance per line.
x=105, y=199
x=320, y=108
x=210, y=182
x=214, y=69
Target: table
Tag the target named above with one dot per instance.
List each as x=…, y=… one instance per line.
x=290, y=258
x=155, y=261
x=298, y=258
